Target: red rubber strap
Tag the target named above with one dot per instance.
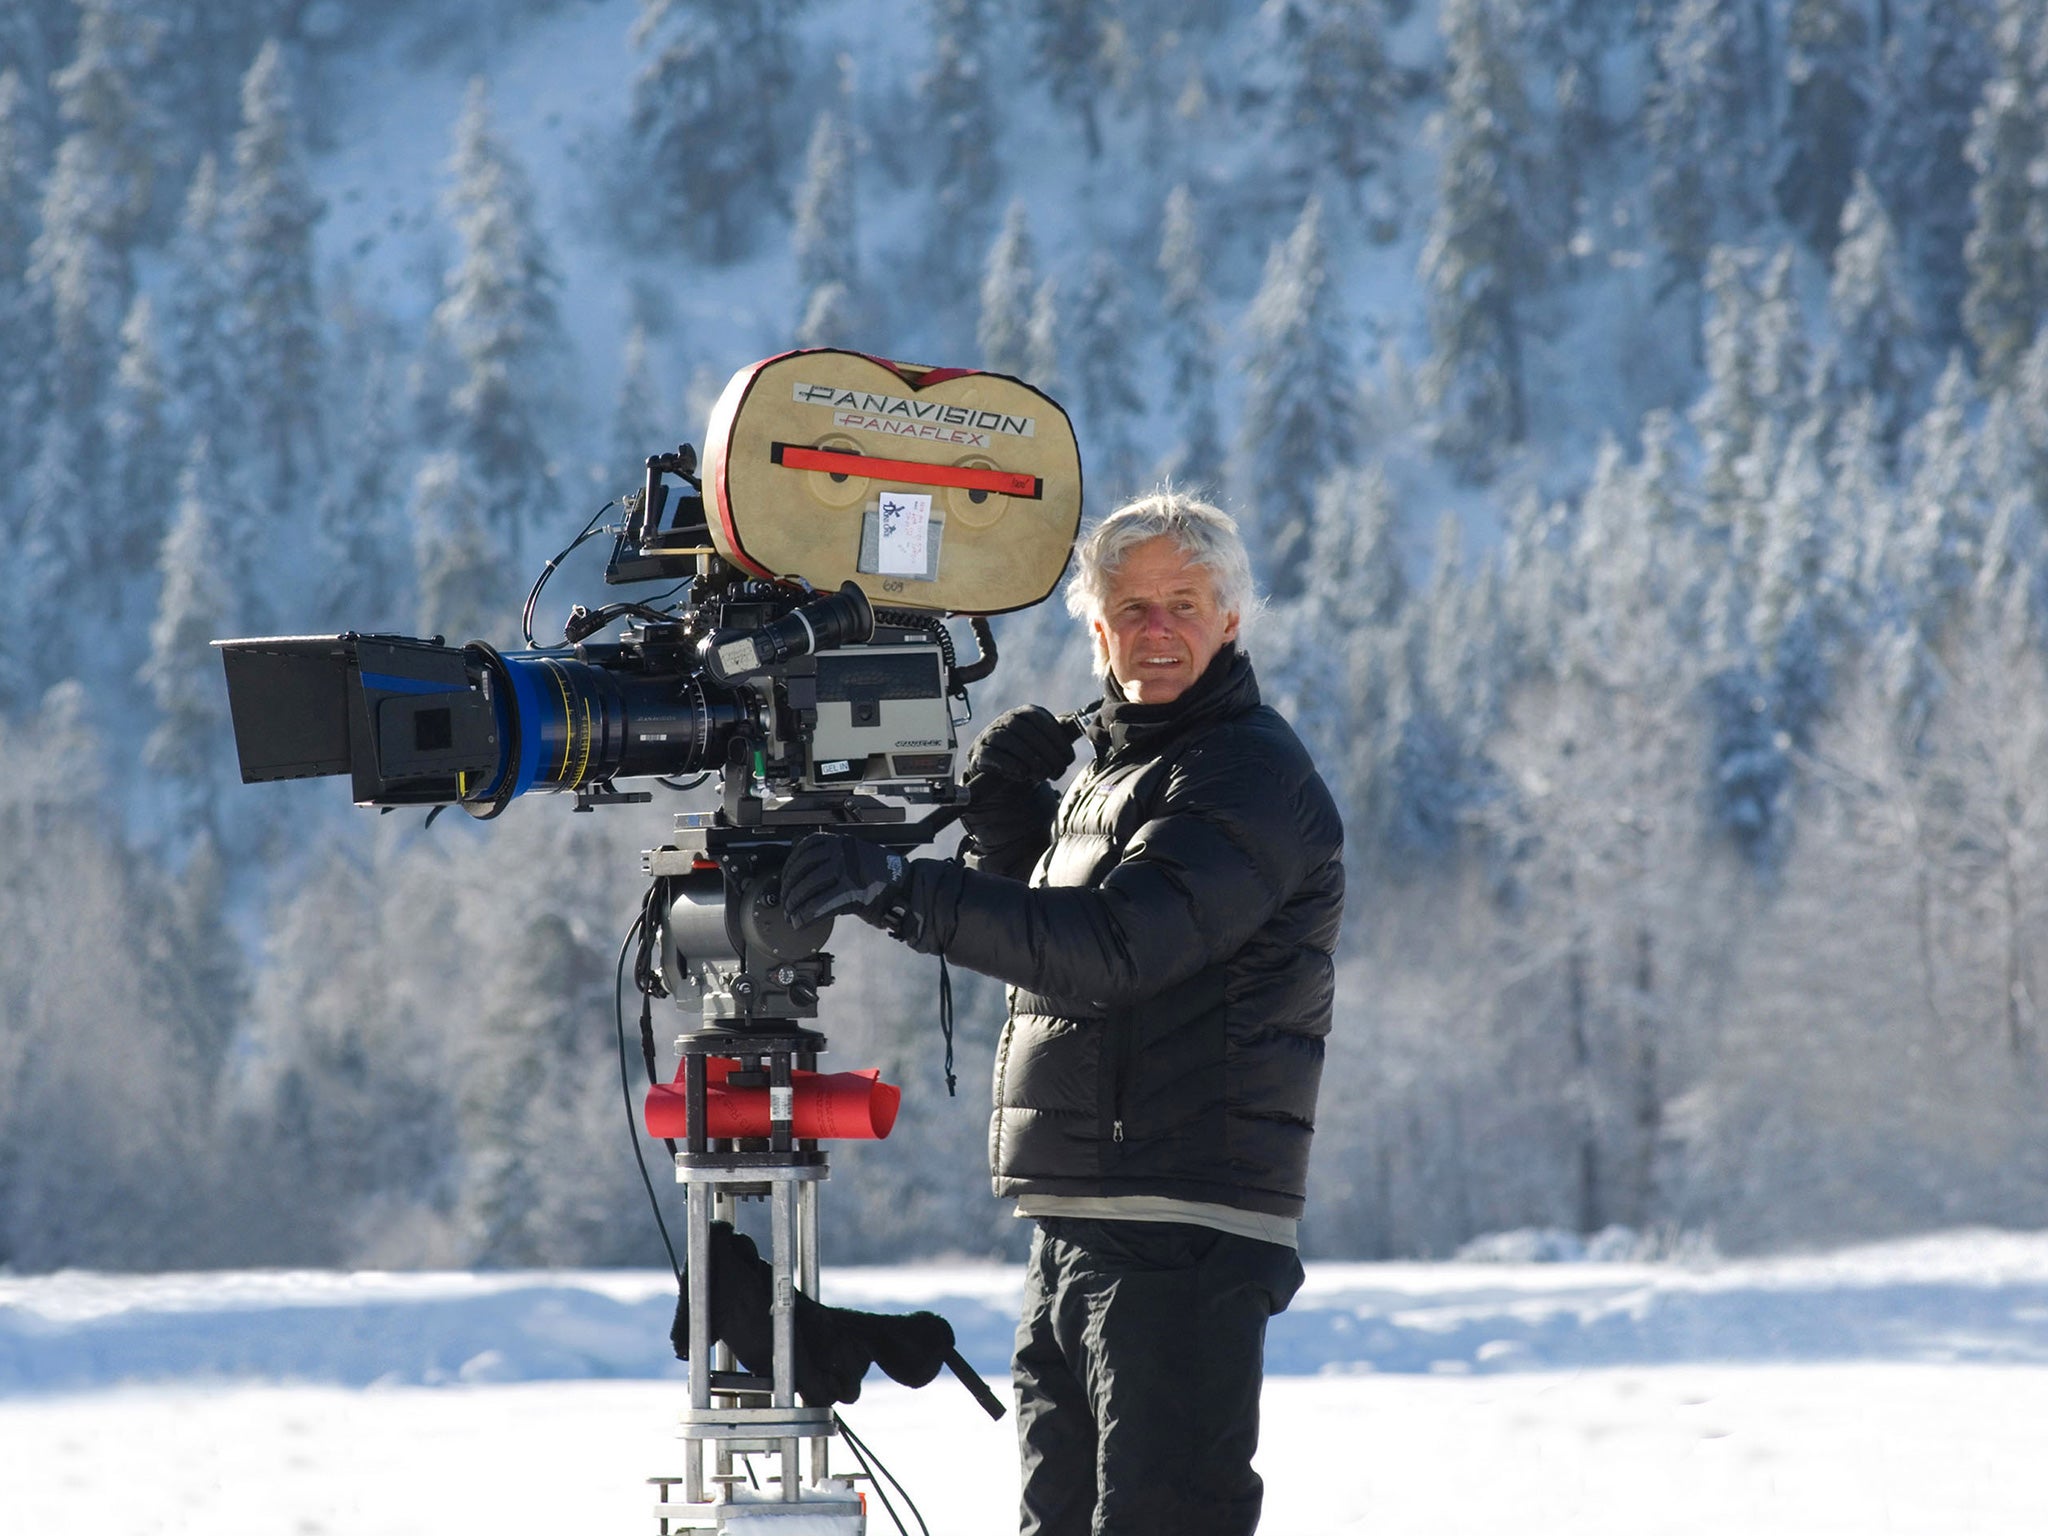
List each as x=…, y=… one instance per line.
x=832, y=461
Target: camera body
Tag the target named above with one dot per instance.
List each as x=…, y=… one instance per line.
x=917, y=493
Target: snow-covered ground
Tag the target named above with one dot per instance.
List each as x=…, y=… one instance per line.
x=1896, y=1388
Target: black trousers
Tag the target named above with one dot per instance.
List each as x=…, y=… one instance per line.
x=1139, y=1359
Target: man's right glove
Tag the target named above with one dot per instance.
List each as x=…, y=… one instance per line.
x=1026, y=745
x=829, y=873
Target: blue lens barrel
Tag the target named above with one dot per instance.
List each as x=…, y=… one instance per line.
x=566, y=723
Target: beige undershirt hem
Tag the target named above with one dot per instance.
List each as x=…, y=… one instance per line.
x=1256, y=1225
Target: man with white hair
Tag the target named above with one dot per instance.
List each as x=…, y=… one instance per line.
x=1166, y=928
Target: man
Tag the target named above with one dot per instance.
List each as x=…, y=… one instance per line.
x=1170, y=971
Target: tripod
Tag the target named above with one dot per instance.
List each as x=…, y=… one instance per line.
x=758, y=979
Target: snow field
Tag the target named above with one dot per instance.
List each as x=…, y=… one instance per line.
x=1669, y=1451
x=1894, y=1388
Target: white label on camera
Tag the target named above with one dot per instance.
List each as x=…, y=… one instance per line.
x=738, y=656
x=781, y=1103
x=906, y=520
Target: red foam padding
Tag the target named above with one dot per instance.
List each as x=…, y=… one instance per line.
x=828, y=1106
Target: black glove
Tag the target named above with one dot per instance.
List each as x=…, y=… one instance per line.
x=829, y=873
x=1028, y=745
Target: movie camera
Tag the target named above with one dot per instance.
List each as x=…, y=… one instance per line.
x=846, y=507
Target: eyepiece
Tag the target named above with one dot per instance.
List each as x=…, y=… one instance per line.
x=845, y=618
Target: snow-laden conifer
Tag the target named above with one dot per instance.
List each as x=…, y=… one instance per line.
x=499, y=319
x=1340, y=92
x=1103, y=348
x=1299, y=401
x=1827, y=109
x=21, y=176
x=95, y=203
x=270, y=212
x=714, y=115
x=360, y=545
x=826, y=238
x=1190, y=339
x=2007, y=251
x=1008, y=282
x=1480, y=262
x=465, y=579
x=1070, y=41
x=962, y=123
x=1729, y=412
x=198, y=330
x=1881, y=346
x=1934, y=68
x=1699, y=123
x=198, y=601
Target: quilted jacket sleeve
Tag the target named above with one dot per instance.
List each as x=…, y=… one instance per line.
x=1228, y=839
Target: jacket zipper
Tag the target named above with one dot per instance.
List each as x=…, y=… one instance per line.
x=1120, y=1084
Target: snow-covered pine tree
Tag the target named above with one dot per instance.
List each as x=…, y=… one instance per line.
x=35, y=37
x=1828, y=75
x=1069, y=40
x=962, y=124
x=270, y=213
x=1862, y=509
x=1700, y=121
x=1044, y=336
x=2029, y=396
x=1340, y=92
x=1570, y=39
x=1935, y=65
x=640, y=426
x=1617, y=563
x=528, y=1064
x=1421, y=790
x=1783, y=364
x=1191, y=341
x=2006, y=254
x=359, y=535
x=21, y=177
x=1796, y=616
x=1881, y=348
x=2012, y=487
x=198, y=335
x=136, y=415
x=1103, y=350
x=198, y=602
x=1480, y=261
x=95, y=203
x=204, y=57
x=826, y=238
x=1355, y=582
x=1944, y=513
x=712, y=115
x=1299, y=403
x=1933, y=562
x=1007, y=285
x=500, y=321
x=1729, y=413
x=465, y=581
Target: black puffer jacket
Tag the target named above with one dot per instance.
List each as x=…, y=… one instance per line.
x=1169, y=962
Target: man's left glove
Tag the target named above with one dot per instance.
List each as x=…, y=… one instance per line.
x=829, y=873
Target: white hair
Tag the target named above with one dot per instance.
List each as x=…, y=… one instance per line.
x=1205, y=534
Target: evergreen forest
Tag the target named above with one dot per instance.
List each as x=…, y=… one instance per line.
x=1637, y=409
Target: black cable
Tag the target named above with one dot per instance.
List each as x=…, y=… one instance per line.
x=696, y=783
x=626, y=1094
x=547, y=570
x=585, y=622
x=946, y=1022
x=873, y=1465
